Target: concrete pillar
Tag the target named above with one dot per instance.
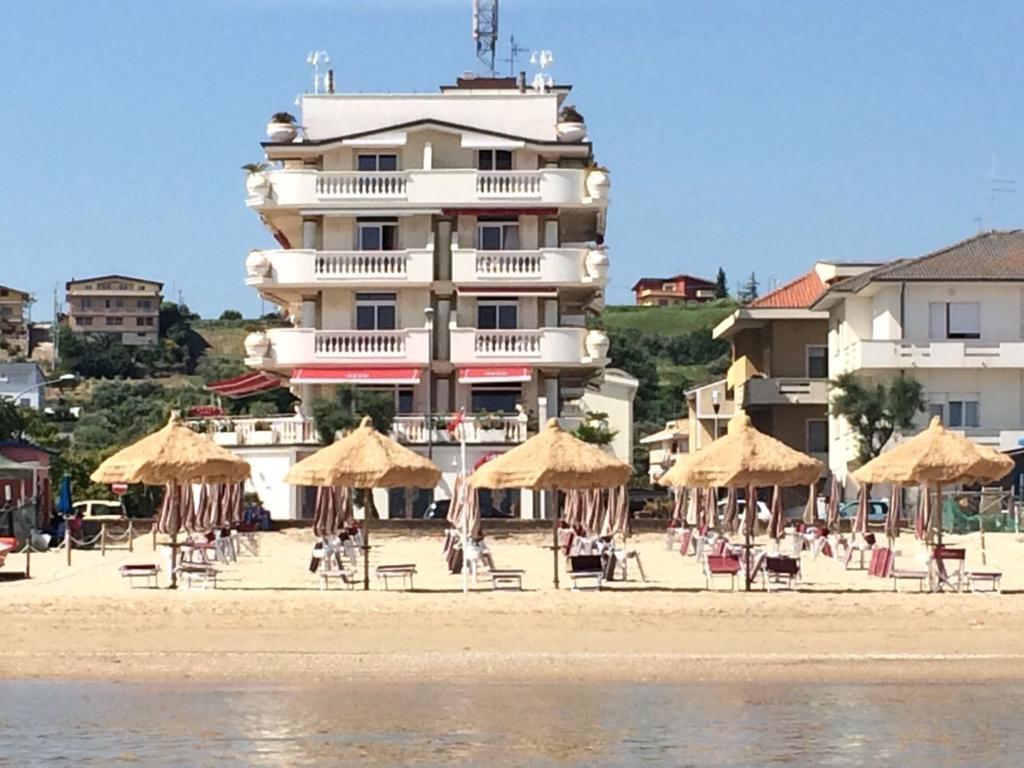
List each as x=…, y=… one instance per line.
x=308, y=316
x=549, y=313
x=551, y=233
x=443, y=242
x=311, y=234
x=428, y=156
x=442, y=334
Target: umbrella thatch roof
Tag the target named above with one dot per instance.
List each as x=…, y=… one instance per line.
x=174, y=454
x=743, y=457
x=552, y=460
x=936, y=456
x=10, y=468
x=365, y=459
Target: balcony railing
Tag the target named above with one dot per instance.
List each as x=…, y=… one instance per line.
x=440, y=186
x=542, y=346
x=246, y=431
x=544, y=266
x=934, y=354
x=780, y=391
x=477, y=430
x=306, y=267
x=307, y=346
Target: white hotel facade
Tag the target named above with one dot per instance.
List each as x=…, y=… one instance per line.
x=447, y=248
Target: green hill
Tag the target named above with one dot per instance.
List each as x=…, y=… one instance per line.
x=668, y=321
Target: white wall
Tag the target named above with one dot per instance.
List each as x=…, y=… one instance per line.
x=615, y=397
x=1001, y=316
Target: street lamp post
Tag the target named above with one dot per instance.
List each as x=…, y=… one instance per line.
x=40, y=385
x=428, y=312
x=716, y=406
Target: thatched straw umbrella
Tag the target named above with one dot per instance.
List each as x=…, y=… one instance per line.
x=554, y=460
x=934, y=457
x=173, y=456
x=744, y=458
x=366, y=459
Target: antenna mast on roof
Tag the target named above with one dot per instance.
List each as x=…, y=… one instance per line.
x=997, y=186
x=514, y=50
x=485, y=33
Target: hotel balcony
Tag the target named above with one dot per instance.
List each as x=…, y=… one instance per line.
x=285, y=348
x=558, y=347
x=779, y=391
x=544, y=187
x=302, y=268
x=935, y=354
x=246, y=431
x=542, y=267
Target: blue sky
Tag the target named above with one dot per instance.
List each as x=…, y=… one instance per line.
x=753, y=135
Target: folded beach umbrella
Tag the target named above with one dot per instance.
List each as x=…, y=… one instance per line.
x=729, y=521
x=65, y=504
x=860, y=520
x=776, y=522
x=892, y=517
x=832, y=511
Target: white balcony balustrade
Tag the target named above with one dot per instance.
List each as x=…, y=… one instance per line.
x=305, y=268
x=476, y=430
x=245, y=431
x=545, y=266
x=934, y=354
x=541, y=346
x=287, y=347
x=296, y=188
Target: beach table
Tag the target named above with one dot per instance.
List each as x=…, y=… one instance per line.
x=404, y=571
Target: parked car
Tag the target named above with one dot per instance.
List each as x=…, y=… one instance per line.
x=878, y=509
x=99, y=509
x=438, y=510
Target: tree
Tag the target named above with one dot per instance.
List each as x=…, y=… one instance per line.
x=595, y=429
x=347, y=409
x=721, y=286
x=876, y=410
x=230, y=314
x=748, y=291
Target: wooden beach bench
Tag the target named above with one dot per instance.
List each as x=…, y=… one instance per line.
x=507, y=580
x=205, y=575
x=135, y=572
x=342, y=575
x=586, y=571
x=405, y=571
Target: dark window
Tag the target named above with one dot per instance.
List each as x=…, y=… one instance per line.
x=493, y=399
x=378, y=236
x=375, y=312
x=377, y=163
x=817, y=436
x=817, y=362
x=494, y=315
x=494, y=160
x=404, y=404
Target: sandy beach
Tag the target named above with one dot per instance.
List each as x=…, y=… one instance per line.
x=268, y=620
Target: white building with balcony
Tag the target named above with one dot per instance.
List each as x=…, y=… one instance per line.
x=953, y=320
x=448, y=249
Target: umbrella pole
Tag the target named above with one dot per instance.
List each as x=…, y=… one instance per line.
x=940, y=511
x=554, y=540
x=368, y=502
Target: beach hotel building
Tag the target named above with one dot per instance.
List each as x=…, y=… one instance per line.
x=954, y=321
x=447, y=248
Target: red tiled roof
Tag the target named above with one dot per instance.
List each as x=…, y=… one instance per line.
x=796, y=294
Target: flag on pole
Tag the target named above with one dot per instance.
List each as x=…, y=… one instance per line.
x=454, y=423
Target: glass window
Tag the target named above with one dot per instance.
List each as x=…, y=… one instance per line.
x=496, y=398
x=817, y=362
x=405, y=400
x=963, y=413
x=817, y=435
x=494, y=160
x=936, y=409
x=377, y=163
x=378, y=236
x=375, y=312
x=493, y=314
x=498, y=235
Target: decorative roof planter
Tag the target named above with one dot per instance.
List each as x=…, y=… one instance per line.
x=571, y=126
x=257, y=183
x=596, y=263
x=281, y=129
x=598, y=182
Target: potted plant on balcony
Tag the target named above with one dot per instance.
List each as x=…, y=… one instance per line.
x=571, y=126
x=257, y=183
x=281, y=129
x=598, y=182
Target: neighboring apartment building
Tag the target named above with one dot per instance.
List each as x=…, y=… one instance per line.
x=14, y=306
x=779, y=374
x=678, y=289
x=22, y=383
x=445, y=248
x=709, y=407
x=952, y=319
x=665, y=446
x=126, y=306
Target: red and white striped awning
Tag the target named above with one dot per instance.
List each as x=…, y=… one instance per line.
x=352, y=375
x=494, y=375
x=245, y=385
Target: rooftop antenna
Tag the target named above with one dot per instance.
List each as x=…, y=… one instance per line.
x=514, y=51
x=485, y=33
x=997, y=186
x=542, y=81
x=316, y=59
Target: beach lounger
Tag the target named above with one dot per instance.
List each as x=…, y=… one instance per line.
x=405, y=572
x=781, y=570
x=507, y=580
x=883, y=566
x=192, y=573
x=721, y=565
x=344, y=576
x=991, y=578
x=954, y=579
x=586, y=571
x=136, y=572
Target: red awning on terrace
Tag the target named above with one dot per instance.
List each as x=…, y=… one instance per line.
x=494, y=374
x=245, y=385
x=351, y=375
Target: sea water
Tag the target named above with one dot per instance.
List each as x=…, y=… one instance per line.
x=490, y=724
